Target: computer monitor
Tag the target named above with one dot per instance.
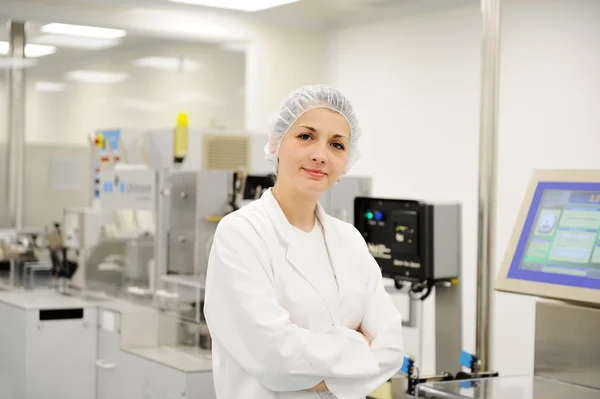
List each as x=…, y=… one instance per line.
x=554, y=251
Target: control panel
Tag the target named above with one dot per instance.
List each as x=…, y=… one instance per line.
x=411, y=240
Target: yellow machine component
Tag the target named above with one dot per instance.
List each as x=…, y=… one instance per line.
x=383, y=392
x=180, y=138
x=99, y=141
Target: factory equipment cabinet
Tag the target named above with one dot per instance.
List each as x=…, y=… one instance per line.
x=147, y=379
x=131, y=366
x=47, y=346
x=108, y=385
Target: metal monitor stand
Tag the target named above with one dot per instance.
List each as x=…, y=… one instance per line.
x=567, y=342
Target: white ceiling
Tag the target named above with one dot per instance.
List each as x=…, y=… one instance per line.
x=153, y=23
x=304, y=13
x=53, y=67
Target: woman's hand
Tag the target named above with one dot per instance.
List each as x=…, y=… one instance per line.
x=320, y=387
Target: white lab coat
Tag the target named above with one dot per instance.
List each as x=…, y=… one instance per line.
x=273, y=334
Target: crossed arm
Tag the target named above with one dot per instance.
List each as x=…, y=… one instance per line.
x=243, y=314
x=321, y=386
x=382, y=330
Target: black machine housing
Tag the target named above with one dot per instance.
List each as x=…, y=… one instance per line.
x=411, y=240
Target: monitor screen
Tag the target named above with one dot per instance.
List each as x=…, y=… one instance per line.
x=555, y=248
x=560, y=242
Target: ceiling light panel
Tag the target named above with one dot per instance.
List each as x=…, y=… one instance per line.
x=96, y=76
x=75, y=42
x=50, y=87
x=17, y=63
x=38, y=50
x=31, y=50
x=167, y=64
x=83, y=31
x=239, y=5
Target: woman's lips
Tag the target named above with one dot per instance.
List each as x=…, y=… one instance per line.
x=314, y=173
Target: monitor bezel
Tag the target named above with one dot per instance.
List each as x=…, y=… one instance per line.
x=536, y=288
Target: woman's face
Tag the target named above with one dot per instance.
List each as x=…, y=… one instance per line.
x=314, y=152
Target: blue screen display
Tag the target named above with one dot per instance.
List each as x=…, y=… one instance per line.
x=560, y=241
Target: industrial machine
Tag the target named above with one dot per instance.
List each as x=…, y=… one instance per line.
x=554, y=255
x=203, y=149
x=411, y=240
x=135, y=174
x=37, y=328
x=196, y=201
x=24, y=256
x=418, y=245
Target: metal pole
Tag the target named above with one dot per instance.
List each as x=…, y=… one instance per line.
x=161, y=241
x=487, y=176
x=16, y=125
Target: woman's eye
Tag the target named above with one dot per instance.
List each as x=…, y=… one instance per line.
x=304, y=136
x=338, y=146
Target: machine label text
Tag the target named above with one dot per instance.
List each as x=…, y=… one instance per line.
x=134, y=188
x=379, y=251
x=405, y=263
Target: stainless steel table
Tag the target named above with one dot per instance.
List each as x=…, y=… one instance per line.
x=518, y=387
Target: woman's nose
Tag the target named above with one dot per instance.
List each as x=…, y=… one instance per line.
x=319, y=153
x=318, y=158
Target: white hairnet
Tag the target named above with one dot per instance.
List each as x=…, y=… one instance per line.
x=302, y=100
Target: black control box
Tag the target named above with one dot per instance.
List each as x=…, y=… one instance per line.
x=411, y=240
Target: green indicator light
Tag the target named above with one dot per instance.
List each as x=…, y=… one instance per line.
x=401, y=228
x=369, y=215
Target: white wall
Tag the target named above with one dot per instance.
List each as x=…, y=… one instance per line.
x=549, y=118
x=279, y=61
x=415, y=84
x=148, y=99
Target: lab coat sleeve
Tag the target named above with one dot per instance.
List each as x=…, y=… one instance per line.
x=382, y=324
x=243, y=315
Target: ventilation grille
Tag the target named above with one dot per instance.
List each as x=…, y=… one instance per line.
x=226, y=152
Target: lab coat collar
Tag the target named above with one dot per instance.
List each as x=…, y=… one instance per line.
x=283, y=226
x=296, y=255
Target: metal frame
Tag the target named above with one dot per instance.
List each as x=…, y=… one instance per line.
x=161, y=235
x=567, y=344
x=487, y=176
x=16, y=126
x=448, y=326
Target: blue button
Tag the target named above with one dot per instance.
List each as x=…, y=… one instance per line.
x=465, y=359
x=405, y=365
x=378, y=216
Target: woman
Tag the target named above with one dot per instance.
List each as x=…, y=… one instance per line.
x=294, y=301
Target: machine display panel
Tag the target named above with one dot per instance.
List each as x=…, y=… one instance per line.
x=560, y=242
